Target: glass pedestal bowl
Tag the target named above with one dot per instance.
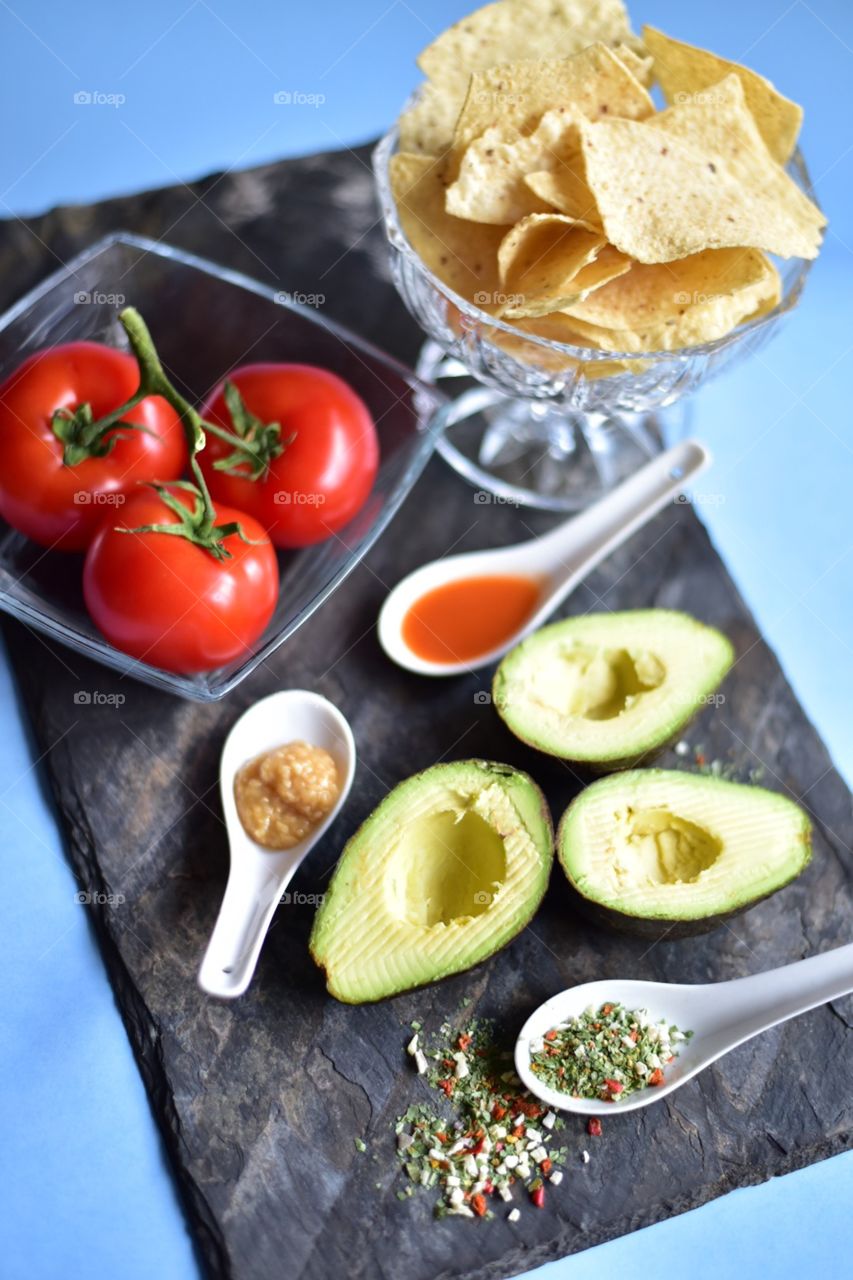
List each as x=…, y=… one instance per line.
x=542, y=423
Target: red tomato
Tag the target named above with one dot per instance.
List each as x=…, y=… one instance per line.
x=325, y=473
x=171, y=603
x=60, y=505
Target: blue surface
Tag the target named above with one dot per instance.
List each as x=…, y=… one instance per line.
x=86, y=1191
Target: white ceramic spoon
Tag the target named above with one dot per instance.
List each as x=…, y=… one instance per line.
x=721, y=1016
x=562, y=557
x=258, y=876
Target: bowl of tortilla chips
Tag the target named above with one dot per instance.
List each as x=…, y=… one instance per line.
x=579, y=256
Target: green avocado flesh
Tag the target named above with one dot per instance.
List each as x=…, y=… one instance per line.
x=448, y=869
x=680, y=848
x=608, y=688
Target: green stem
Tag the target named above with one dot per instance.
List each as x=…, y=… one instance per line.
x=200, y=525
x=153, y=381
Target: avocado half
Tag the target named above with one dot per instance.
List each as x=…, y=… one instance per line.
x=653, y=847
x=448, y=869
x=607, y=689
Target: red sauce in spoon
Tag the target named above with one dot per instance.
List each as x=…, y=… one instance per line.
x=462, y=620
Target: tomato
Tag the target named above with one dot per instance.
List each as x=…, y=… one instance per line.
x=61, y=505
x=328, y=464
x=168, y=601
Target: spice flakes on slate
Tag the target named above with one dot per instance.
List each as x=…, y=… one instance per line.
x=487, y=1140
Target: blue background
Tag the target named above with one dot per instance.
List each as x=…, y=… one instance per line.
x=86, y=1189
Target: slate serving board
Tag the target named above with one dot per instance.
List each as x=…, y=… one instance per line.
x=260, y=1101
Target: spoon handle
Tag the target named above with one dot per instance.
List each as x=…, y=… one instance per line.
x=582, y=542
x=251, y=897
x=754, y=1004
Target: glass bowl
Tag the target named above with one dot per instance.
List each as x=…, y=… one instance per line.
x=170, y=288
x=543, y=423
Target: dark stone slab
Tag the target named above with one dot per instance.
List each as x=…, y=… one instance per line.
x=260, y=1101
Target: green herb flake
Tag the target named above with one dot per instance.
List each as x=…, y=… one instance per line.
x=607, y=1052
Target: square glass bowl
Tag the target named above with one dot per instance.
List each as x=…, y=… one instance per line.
x=250, y=322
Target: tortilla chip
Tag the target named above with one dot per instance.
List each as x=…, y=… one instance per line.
x=517, y=94
x=719, y=120
x=662, y=198
x=491, y=184
x=540, y=258
x=558, y=328
x=639, y=63
x=678, y=304
x=462, y=254
x=608, y=265
x=513, y=29
x=525, y=246
x=497, y=33
x=651, y=295
x=527, y=301
x=427, y=127
x=682, y=70
x=769, y=304
x=566, y=190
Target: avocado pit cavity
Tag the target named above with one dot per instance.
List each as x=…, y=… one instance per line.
x=447, y=866
x=593, y=682
x=657, y=847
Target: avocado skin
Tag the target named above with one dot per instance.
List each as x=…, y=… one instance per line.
x=602, y=768
x=491, y=766
x=659, y=928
